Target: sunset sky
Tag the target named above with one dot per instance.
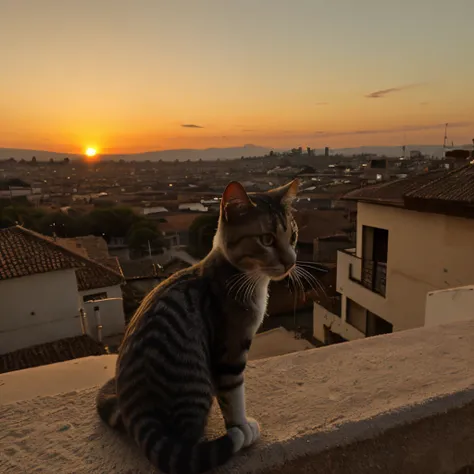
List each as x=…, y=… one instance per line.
x=128, y=76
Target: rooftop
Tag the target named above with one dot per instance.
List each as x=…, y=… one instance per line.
x=451, y=193
x=403, y=402
x=319, y=223
x=393, y=192
x=50, y=353
x=177, y=222
x=24, y=253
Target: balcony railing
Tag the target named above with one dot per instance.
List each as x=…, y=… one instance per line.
x=373, y=276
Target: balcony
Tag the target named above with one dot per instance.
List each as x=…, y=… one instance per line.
x=387, y=404
x=371, y=275
x=363, y=281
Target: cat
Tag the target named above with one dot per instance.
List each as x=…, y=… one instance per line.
x=190, y=338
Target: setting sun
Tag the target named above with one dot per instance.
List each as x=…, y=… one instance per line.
x=90, y=152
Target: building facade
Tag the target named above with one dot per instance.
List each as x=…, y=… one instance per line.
x=47, y=291
x=403, y=253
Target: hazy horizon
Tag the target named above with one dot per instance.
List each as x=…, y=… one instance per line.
x=130, y=77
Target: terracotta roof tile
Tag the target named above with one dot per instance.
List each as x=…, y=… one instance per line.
x=24, y=253
x=177, y=222
x=95, y=275
x=319, y=223
x=136, y=269
x=455, y=186
x=50, y=353
x=392, y=192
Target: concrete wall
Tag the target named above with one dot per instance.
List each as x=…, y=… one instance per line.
x=38, y=309
x=454, y=304
x=426, y=252
x=396, y=404
x=112, y=316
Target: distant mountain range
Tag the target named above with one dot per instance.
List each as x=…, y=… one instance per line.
x=218, y=153
x=165, y=155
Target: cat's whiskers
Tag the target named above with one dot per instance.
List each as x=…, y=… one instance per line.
x=305, y=275
x=296, y=280
x=246, y=289
x=243, y=285
x=249, y=292
x=234, y=280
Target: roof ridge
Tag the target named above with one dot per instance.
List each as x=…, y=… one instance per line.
x=43, y=238
x=49, y=240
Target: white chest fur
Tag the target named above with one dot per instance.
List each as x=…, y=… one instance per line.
x=261, y=300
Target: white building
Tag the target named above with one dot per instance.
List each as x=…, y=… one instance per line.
x=415, y=246
x=44, y=287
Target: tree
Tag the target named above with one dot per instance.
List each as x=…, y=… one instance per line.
x=201, y=234
x=20, y=211
x=144, y=236
x=112, y=221
x=60, y=224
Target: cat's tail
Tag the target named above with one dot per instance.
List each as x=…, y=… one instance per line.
x=173, y=456
x=107, y=405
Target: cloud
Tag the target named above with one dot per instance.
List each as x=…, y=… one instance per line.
x=322, y=103
x=191, y=125
x=414, y=128
x=380, y=94
x=249, y=130
x=424, y=103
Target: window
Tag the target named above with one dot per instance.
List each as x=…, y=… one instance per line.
x=374, y=258
x=94, y=297
x=331, y=337
x=356, y=315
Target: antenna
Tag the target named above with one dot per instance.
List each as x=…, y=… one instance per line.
x=445, y=135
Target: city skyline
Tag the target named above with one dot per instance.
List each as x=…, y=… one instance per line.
x=127, y=77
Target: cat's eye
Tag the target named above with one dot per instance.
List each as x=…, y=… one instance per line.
x=267, y=240
x=293, y=238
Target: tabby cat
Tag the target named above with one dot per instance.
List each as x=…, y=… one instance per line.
x=190, y=338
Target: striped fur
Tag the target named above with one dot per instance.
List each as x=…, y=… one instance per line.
x=189, y=341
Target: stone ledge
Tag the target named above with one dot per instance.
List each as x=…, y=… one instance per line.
x=390, y=404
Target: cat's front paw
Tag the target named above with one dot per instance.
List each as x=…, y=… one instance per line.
x=252, y=431
x=244, y=435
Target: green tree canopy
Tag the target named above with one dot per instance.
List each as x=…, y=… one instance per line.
x=201, y=233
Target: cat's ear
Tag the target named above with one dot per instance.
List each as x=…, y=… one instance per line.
x=286, y=193
x=235, y=200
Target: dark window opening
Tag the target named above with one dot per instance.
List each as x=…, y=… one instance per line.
x=331, y=337
x=374, y=258
x=377, y=325
x=356, y=315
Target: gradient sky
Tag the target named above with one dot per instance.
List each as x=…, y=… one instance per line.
x=129, y=76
